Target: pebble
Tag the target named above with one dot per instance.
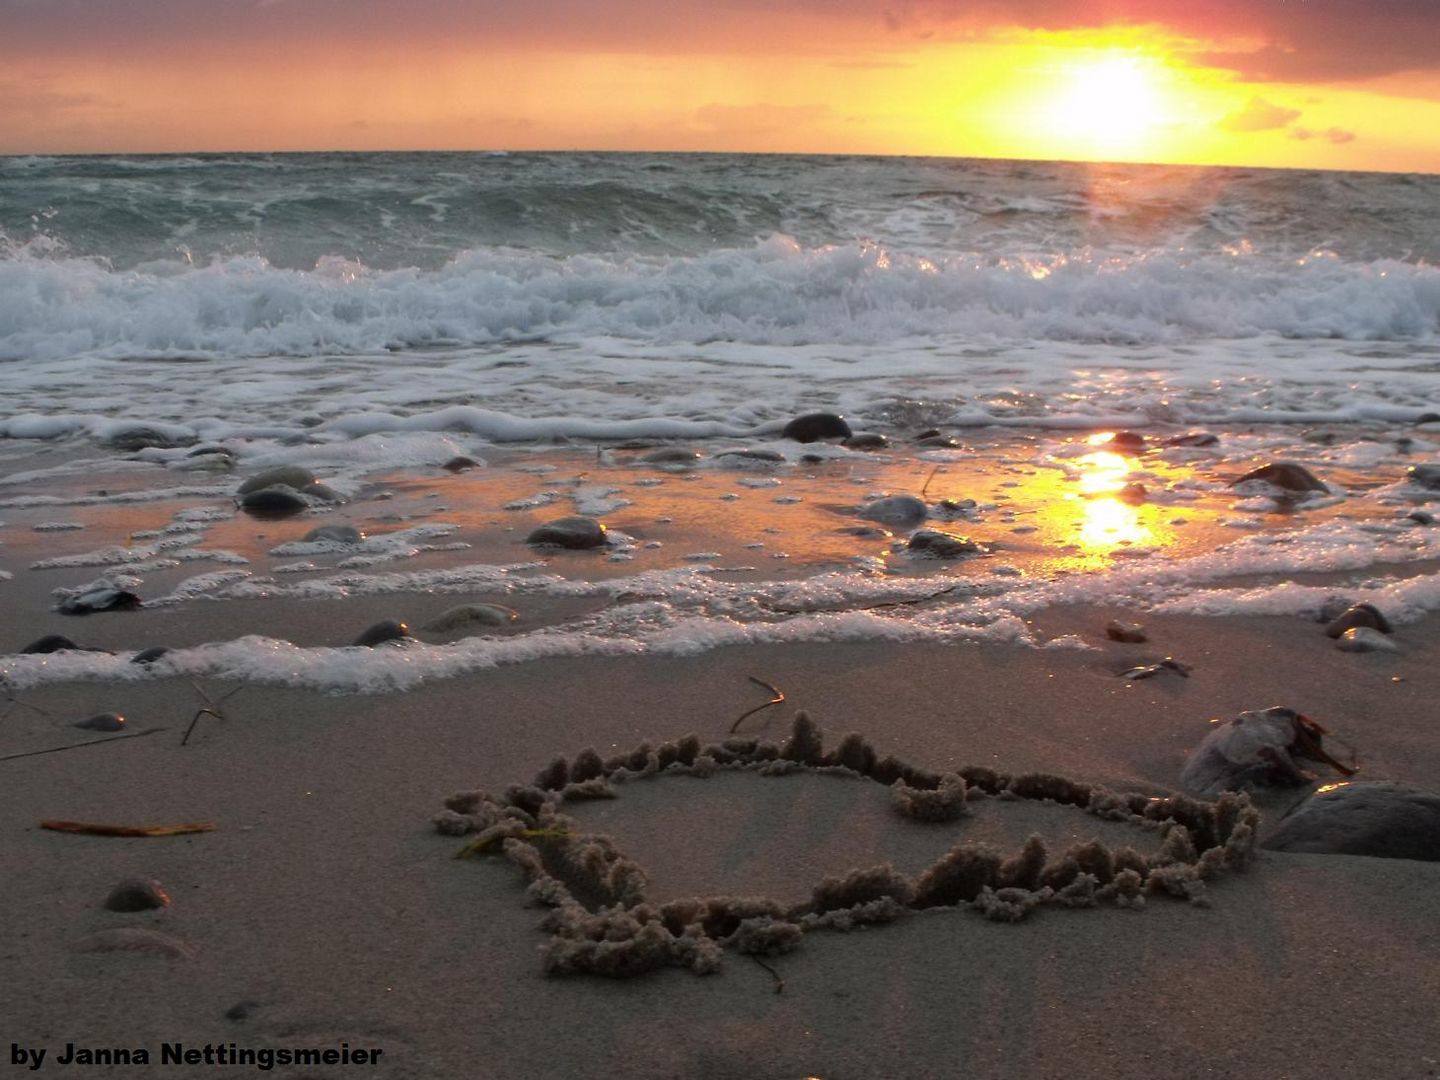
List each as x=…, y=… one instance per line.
x=105, y=721
x=1379, y=818
x=207, y=451
x=1364, y=639
x=148, y=438
x=577, y=533
x=104, y=598
x=468, y=618
x=150, y=655
x=137, y=894
x=1193, y=438
x=291, y=476
x=241, y=1010
x=943, y=545
x=670, y=455
x=866, y=440
x=1132, y=633
x=52, y=643
x=459, y=463
x=1284, y=474
x=938, y=442
x=748, y=455
x=1132, y=494
x=1428, y=418
x=895, y=510
x=1421, y=517
x=335, y=534
x=1426, y=476
x=1359, y=615
x=384, y=632
x=1149, y=671
x=273, y=502
x=812, y=427
x=1128, y=440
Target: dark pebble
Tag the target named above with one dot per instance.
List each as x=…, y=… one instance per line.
x=1428, y=418
x=766, y=456
x=137, y=894
x=1132, y=494
x=813, y=427
x=1193, y=438
x=335, y=534
x=382, y=633
x=577, y=533
x=1426, y=476
x=1421, y=517
x=103, y=599
x=1367, y=615
x=1378, y=818
x=895, y=510
x=1131, y=633
x=670, y=455
x=51, y=643
x=149, y=438
x=273, y=502
x=866, y=440
x=105, y=721
x=938, y=442
x=241, y=1010
x=1128, y=440
x=460, y=463
x=290, y=476
x=943, y=545
x=1283, y=474
x=150, y=655
x=208, y=451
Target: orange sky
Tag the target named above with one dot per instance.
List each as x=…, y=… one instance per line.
x=1307, y=84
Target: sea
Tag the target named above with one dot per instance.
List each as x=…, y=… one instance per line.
x=1076, y=367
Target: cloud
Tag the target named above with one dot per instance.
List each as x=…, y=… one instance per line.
x=1260, y=115
x=1335, y=135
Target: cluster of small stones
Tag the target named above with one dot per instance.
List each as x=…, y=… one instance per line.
x=601, y=923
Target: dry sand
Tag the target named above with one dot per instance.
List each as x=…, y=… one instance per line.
x=327, y=907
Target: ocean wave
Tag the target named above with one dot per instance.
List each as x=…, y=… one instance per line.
x=775, y=292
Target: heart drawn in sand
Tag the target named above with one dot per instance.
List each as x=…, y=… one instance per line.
x=601, y=923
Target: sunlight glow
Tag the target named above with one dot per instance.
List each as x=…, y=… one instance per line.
x=1111, y=101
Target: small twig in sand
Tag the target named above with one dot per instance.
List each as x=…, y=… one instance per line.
x=776, y=700
x=926, y=488
x=93, y=829
x=210, y=708
x=76, y=746
x=905, y=603
x=779, y=982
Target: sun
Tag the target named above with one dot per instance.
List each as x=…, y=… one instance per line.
x=1111, y=101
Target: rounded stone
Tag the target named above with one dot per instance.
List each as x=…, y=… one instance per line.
x=51, y=643
x=671, y=455
x=1363, y=639
x=1359, y=615
x=334, y=534
x=460, y=463
x=274, y=502
x=291, y=476
x=943, y=545
x=938, y=442
x=895, y=510
x=1285, y=475
x=1132, y=494
x=147, y=439
x=1127, y=440
x=1378, y=818
x=1425, y=476
x=812, y=427
x=150, y=655
x=1131, y=633
x=469, y=618
x=750, y=455
x=577, y=533
x=1193, y=438
x=1421, y=517
x=383, y=633
x=105, y=721
x=103, y=598
x=866, y=440
x=137, y=894
x=1428, y=418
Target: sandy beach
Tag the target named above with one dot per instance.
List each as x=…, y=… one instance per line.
x=324, y=908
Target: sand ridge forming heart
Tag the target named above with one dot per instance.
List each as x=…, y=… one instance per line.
x=601, y=923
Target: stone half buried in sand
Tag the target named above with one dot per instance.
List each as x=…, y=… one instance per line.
x=812, y=427
x=1425, y=476
x=601, y=921
x=101, y=596
x=576, y=533
x=1285, y=475
x=943, y=545
x=1359, y=615
x=1258, y=749
x=466, y=619
x=1379, y=818
x=895, y=510
x=385, y=632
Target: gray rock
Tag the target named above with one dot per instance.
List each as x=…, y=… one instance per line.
x=470, y=618
x=101, y=598
x=1425, y=476
x=1428, y=418
x=1258, y=749
x=1132, y=633
x=1359, y=615
x=578, y=533
x=334, y=534
x=1160, y=667
x=274, y=502
x=291, y=476
x=750, y=456
x=1193, y=438
x=943, y=545
x=938, y=442
x=383, y=633
x=895, y=510
x=148, y=438
x=150, y=655
x=212, y=451
x=52, y=643
x=671, y=455
x=866, y=440
x=105, y=721
x=1333, y=607
x=1127, y=440
x=812, y=427
x=459, y=463
x=1363, y=639
x=1285, y=475
x=1379, y=818
x=137, y=894
x=1421, y=517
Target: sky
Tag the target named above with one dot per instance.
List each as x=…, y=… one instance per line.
x=1346, y=84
